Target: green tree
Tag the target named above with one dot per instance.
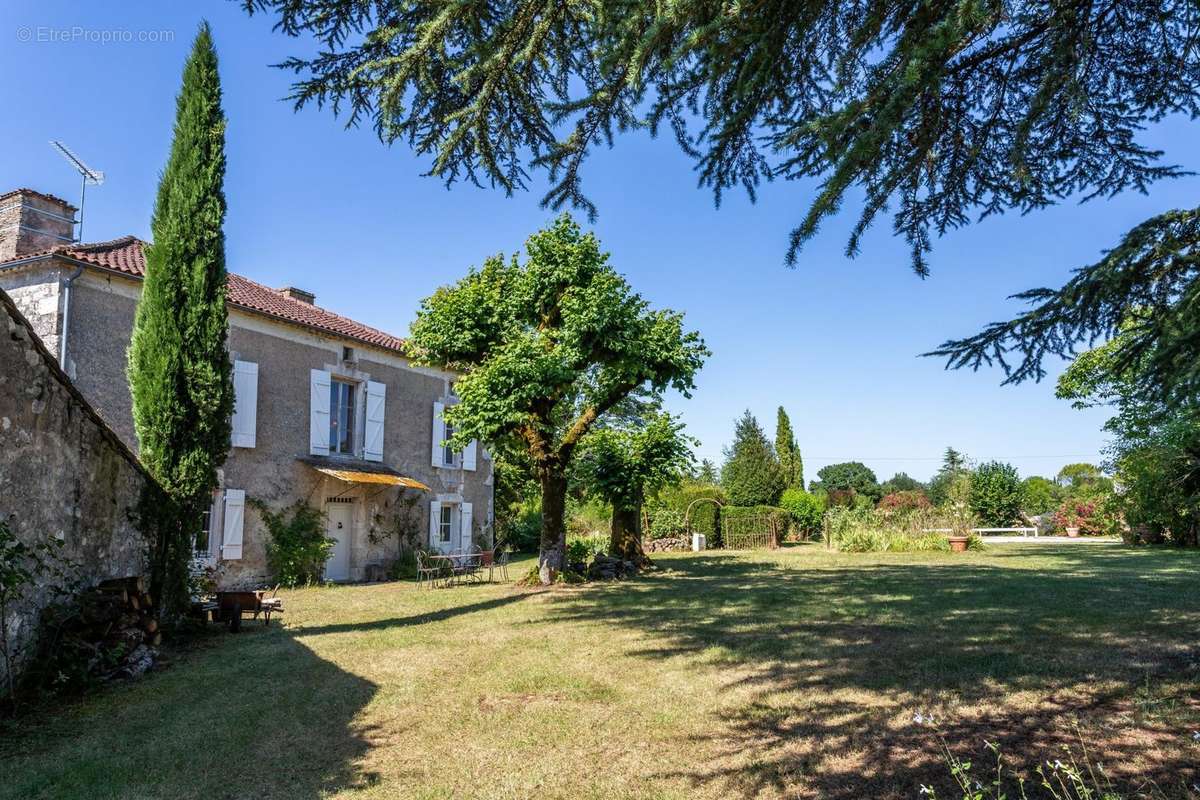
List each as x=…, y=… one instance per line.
x=995, y=494
x=546, y=348
x=807, y=510
x=707, y=472
x=939, y=113
x=1039, y=495
x=788, y=451
x=751, y=475
x=179, y=368
x=625, y=465
x=850, y=476
x=954, y=465
x=1155, y=447
x=901, y=482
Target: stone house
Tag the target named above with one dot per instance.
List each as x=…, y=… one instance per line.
x=329, y=412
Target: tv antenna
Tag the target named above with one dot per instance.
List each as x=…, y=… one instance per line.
x=93, y=176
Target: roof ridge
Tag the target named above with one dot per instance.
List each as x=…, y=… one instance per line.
x=89, y=246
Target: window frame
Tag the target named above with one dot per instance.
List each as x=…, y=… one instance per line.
x=351, y=408
x=212, y=527
x=446, y=524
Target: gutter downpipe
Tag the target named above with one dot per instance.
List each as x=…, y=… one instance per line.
x=66, y=326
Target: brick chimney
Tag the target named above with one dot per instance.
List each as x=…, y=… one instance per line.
x=298, y=294
x=31, y=221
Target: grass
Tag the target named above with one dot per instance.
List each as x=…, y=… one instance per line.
x=793, y=673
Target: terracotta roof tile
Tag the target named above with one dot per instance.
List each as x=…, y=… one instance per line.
x=127, y=255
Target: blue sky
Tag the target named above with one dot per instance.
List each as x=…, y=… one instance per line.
x=835, y=341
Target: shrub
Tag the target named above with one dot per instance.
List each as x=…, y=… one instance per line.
x=585, y=548
x=996, y=494
x=668, y=508
x=1092, y=517
x=584, y=519
x=806, y=510
x=521, y=531
x=904, y=502
x=297, y=548
x=867, y=531
x=665, y=523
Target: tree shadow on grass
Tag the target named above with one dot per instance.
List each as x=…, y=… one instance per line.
x=259, y=716
x=424, y=618
x=835, y=660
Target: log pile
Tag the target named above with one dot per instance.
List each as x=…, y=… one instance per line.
x=114, y=629
x=668, y=544
x=606, y=568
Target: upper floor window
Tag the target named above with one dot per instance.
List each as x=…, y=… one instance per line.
x=449, y=455
x=341, y=416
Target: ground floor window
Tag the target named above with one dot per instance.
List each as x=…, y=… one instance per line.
x=208, y=537
x=445, y=524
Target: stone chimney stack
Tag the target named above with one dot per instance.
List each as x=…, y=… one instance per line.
x=298, y=294
x=31, y=221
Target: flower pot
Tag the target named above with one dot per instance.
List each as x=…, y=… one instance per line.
x=1073, y=533
x=958, y=544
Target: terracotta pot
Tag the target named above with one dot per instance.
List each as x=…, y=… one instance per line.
x=958, y=544
x=1073, y=533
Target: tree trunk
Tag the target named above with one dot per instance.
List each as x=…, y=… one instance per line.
x=554, y=524
x=625, y=539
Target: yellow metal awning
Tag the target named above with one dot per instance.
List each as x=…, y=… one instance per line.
x=363, y=476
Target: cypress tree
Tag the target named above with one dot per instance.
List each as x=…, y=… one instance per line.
x=751, y=475
x=179, y=370
x=788, y=451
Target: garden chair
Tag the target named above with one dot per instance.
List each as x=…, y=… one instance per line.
x=501, y=562
x=427, y=571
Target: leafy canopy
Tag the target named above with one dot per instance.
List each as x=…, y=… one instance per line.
x=549, y=345
x=850, y=476
x=624, y=465
x=996, y=494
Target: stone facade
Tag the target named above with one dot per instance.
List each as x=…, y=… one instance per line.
x=63, y=472
x=279, y=469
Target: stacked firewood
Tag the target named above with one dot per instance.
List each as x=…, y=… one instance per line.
x=116, y=627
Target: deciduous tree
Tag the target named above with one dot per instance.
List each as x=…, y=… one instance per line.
x=624, y=465
x=995, y=495
x=850, y=476
x=546, y=347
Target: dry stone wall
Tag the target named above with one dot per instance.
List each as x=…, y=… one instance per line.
x=63, y=473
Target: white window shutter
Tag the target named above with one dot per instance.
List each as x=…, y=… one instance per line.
x=435, y=520
x=439, y=433
x=466, y=515
x=468, y=456
x=373, y=432
x=245, y=403
x=235, y=516
x=318, y=412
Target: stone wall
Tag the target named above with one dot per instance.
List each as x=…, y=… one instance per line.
x=63, y=472
x=37, y=292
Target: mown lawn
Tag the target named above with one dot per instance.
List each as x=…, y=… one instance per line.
x=788, y=674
